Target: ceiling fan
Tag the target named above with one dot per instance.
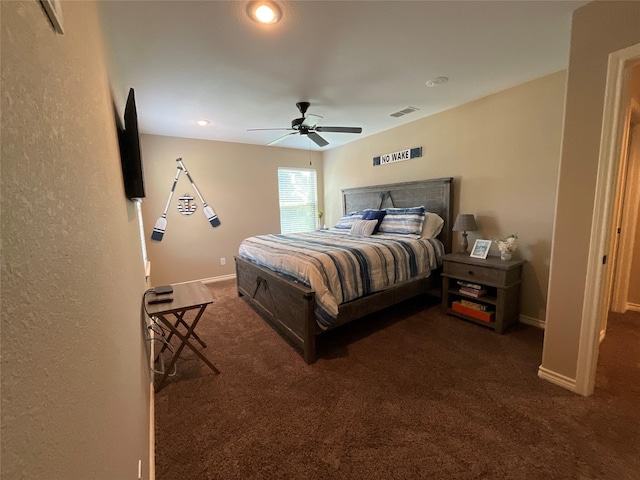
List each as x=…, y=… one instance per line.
x=307, y=125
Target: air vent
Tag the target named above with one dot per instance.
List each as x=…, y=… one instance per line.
x=405, y=111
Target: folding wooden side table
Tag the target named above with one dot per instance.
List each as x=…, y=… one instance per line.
x=186, y=297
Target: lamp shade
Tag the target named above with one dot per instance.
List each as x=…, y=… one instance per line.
x=465, y=222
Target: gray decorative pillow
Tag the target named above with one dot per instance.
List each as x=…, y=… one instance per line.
x=363, y=227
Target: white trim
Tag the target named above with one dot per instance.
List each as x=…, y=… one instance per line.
x=221, y=278
x=633, y=307
x=628, y=200
x=558, y=379
x=143, y=244
x=594, y=295
x=534, y=322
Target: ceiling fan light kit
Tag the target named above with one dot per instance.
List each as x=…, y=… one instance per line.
x=307, y=125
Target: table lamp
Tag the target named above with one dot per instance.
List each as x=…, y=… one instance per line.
x=465, y=222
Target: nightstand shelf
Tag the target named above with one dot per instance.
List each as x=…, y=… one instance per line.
x=500, y=279
x=491, y=299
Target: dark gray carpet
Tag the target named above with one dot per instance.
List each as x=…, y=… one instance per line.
x=407, y=393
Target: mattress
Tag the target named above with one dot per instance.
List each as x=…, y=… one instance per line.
x=341, y=267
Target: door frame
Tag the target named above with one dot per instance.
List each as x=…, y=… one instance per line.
x=627, y=216
x=596, y=298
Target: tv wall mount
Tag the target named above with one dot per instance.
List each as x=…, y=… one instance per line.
x=161, y=223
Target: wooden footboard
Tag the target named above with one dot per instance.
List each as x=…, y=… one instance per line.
x=287, y=305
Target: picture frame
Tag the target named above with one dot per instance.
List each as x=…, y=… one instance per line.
x=53, y=9
x=480, y=248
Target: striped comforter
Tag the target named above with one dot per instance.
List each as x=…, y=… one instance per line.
x=341, y=267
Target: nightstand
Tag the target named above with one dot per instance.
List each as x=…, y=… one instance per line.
x=482, y=291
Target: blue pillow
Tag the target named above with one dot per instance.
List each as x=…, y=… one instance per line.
x=406, y=221
x=374, y=215
x=346, y=222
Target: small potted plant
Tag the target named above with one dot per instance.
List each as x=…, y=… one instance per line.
x=507, y=246
x=320, y=215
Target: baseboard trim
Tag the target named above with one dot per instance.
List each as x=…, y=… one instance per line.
x=558, y=379
x=535, y=322
x=633, y=307
x=221, y=278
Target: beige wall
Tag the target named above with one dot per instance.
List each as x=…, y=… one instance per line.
x=75, y=385
x=502, y=150
x=239, y=181
x=598, y=29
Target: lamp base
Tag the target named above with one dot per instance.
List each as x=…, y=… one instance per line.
x=464, y=245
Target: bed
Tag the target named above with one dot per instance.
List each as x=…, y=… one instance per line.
x=292, y=307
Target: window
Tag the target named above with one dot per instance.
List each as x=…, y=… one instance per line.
x=298, y=194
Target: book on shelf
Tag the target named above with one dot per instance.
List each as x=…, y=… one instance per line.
x=484, y=316
x=472, y=292
x=474, y=305
x=473, y=286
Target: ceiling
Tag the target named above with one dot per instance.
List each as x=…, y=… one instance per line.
x=356, y=62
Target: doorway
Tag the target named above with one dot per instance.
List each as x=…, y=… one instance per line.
x=619, y=353
x=603, y=239
x=625, y=251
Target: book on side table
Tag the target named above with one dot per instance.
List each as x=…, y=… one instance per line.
x=472, y=311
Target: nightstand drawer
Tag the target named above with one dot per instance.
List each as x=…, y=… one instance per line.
x=474, y=273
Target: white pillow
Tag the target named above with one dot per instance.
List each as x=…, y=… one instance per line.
x=363, y=227
x=432, y=226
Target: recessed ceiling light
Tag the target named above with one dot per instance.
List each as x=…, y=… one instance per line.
x=434, y=82
x=204, y=123
x=265, y=12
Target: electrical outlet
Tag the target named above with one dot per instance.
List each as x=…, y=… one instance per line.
x=223, y=261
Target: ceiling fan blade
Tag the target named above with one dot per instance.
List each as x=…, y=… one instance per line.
x=311, y=120
x=321, y=142
x=340, y=129
x=262, y=129
x=278, y=140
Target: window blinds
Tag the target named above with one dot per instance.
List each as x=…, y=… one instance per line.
x=297, y=189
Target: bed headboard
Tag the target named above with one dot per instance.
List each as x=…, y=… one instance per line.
x=436, y=196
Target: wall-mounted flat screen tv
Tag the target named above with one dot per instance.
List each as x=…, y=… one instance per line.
x=130, y=154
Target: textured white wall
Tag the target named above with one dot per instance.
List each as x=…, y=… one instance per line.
x=75, y=386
